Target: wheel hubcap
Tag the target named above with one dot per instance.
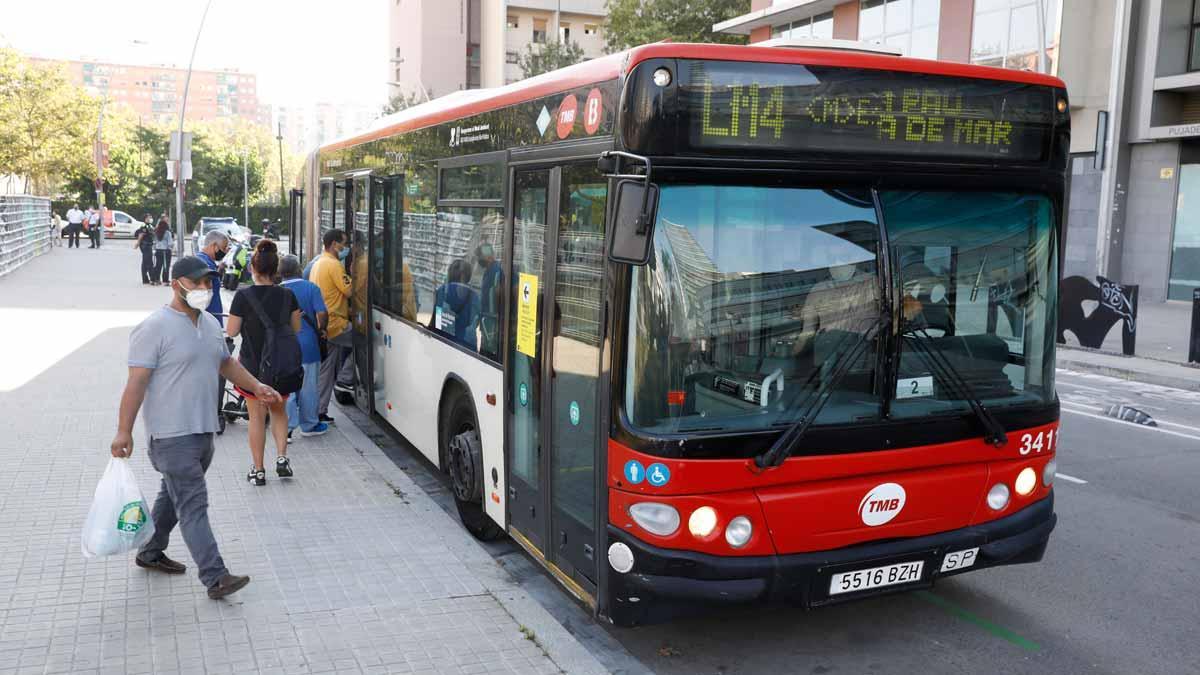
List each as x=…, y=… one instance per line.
x=464, y=464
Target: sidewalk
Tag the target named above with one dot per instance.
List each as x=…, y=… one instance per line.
x=354, y=568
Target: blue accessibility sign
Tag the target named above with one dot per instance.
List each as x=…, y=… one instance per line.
x=658, y=474
x=523, y=394
x=634, y=472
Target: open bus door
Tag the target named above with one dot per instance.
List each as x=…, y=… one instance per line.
x=554, y=344
x=296, y=223
x=360, y=220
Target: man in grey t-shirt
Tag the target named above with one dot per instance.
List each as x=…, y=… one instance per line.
x=175, y=358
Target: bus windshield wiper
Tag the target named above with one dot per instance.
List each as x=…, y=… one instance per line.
x=811, y=405
x=939, y=364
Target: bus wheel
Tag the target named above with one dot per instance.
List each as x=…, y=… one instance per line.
x=464, y=459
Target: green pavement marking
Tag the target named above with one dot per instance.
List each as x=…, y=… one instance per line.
x=998, y=631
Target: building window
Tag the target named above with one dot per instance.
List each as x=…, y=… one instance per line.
x=592, y=29
x=908, y=25
x=513, y=22
x=510, y=57
x=1006, y=34
x=819, y=26
x=564, y=32
x=539, y=31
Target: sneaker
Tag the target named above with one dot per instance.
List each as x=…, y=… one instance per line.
x=283, y=467
x=257, y=477
x=325, y=418
x=319, y=429
x=290, y=435
x=227, y=585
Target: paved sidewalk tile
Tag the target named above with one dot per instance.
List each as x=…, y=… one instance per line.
x=346, y=575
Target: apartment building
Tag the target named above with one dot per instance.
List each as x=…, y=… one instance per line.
x=156, y=92
x=440, y=46
x=308, y=125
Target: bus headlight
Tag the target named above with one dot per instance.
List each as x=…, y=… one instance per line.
x=738, y=532
x=997, y=497
x=702, y=521
x=1048, y=472
x=655, y=518
x=620, y=557
x=1026, y=481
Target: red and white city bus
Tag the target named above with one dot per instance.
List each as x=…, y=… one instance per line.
x=707, y=324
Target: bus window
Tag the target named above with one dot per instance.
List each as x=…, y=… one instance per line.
x=975, y=270
x=468, y=300
x=731, y=331
x=326, y=215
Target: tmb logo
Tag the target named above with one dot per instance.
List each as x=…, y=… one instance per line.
x=881, y=504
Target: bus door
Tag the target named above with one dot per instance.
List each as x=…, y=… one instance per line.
x=385, y=283
x=554, y=355
x=358, y=229
x=296, y=223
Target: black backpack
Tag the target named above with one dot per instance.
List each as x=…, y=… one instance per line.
x=279, y=361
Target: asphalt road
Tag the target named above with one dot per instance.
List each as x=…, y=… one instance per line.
x=1118, y=590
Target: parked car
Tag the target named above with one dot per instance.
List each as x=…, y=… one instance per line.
x=227, y=225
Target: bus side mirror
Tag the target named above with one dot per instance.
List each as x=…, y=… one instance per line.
x=633, y=222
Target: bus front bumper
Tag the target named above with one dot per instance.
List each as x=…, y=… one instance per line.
x=666, y=583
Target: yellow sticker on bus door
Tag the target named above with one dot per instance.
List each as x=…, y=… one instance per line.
x=527, y=303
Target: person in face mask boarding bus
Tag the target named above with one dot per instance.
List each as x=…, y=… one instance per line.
x=175, y=357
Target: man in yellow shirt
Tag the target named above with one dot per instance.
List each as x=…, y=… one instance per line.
x=329, y=274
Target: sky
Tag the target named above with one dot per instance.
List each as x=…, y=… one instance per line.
x=302, y=51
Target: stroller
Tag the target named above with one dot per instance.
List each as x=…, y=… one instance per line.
x=232, y=405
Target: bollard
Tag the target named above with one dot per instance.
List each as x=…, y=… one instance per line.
x=1194, y=344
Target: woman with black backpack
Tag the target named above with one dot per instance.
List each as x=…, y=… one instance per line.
x=268, y=318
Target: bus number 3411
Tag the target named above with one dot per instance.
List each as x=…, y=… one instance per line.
x=1035, y=443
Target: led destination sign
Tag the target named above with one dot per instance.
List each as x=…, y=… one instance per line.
x=792, y=108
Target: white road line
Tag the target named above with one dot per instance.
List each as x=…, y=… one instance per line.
x=1131, y=424
x=1157, y=420
x=1070, y=479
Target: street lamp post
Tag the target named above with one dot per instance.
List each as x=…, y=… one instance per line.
x=245, y=189
x=279, y=139
x=179, y=218
x=100, y=159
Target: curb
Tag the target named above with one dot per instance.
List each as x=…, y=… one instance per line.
x=562, y=648
x=1177, y=375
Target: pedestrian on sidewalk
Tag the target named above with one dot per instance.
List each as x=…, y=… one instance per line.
x=164, y=243
x=302, y=408
x=329, y=274
x=144, y=237
x=175, y=355
x=251, y=308
x=93, y=225
x=74, y=223
x=56, y=224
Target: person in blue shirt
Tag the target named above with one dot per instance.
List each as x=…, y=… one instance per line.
x=456, y=305
x=490, y=299
x=213, y=250
x=302, y=408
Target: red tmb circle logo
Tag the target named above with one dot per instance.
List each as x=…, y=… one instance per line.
x=593, y=112
x=566, y=115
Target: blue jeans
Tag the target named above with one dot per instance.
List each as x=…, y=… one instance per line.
x=302, y=408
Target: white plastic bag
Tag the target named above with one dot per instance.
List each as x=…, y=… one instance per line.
x=119, y=520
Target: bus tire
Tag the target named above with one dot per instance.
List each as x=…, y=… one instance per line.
x=463, y=451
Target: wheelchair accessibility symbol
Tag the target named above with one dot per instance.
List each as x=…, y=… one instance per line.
x=634, y=472
x=658, y=474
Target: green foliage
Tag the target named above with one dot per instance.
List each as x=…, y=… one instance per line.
x=402, y=101
x=543, y=58
x=638, y=22
x=45, y=122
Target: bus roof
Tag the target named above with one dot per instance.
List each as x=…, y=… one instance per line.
x=474, y=101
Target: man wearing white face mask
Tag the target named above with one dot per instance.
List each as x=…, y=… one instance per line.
x=175, y=357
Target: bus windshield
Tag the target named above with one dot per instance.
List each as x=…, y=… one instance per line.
x=755, y=295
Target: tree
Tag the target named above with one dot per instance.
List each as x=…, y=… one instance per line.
x=543, y=58
x=401, y=101
x=46, y=122
x=637, y=22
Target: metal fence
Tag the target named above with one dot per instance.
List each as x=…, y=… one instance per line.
x=24, y=230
